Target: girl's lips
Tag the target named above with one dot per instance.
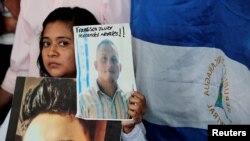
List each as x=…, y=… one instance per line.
x=53, y=64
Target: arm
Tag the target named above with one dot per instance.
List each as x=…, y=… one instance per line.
x=20, y=55
x=19, y=63
x=5, y=104
x=137, y=134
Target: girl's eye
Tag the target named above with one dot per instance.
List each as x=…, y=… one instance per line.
x=63, y=43
x=46, y=44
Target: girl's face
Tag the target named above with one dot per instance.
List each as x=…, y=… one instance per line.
x=58, y=50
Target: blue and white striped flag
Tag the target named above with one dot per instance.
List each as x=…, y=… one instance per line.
x=192, y=62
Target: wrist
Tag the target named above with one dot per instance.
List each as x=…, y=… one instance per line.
x=128, y=129
x=6, y=13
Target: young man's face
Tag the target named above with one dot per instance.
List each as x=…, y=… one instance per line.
x=58, y=50
x=107, y=63
x=55, y=127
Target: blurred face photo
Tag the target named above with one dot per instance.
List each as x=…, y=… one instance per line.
x=55, y=127
x=107, y=63
x=58, y=50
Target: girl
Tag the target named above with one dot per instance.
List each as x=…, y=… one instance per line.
x=57, y=59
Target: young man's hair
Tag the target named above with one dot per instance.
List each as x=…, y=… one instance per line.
x=55, y=96
x=73, y=17
x=106, y=42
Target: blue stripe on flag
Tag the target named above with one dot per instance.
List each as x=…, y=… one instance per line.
x=233, y=29
x=223, y=24
x=166, y=133
x=181, y=23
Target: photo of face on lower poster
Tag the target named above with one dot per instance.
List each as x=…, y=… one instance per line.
x=44, y=109
x=105, y=72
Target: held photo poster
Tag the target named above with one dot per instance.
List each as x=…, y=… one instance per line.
x=105, y=71
x=44, y=109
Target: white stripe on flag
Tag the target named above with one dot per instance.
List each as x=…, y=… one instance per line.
x=182, y=85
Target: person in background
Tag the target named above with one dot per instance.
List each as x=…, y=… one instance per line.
x=8, y=19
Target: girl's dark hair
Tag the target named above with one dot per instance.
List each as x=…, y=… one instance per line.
x=73, y=17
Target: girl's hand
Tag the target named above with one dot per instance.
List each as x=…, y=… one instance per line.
x=136, y=109
x=137, y=106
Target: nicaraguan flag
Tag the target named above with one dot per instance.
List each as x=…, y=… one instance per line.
x=192, y=62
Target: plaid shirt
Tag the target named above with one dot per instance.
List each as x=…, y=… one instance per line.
x=93, y=103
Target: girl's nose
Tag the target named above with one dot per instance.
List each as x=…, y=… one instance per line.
x=53, y=51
